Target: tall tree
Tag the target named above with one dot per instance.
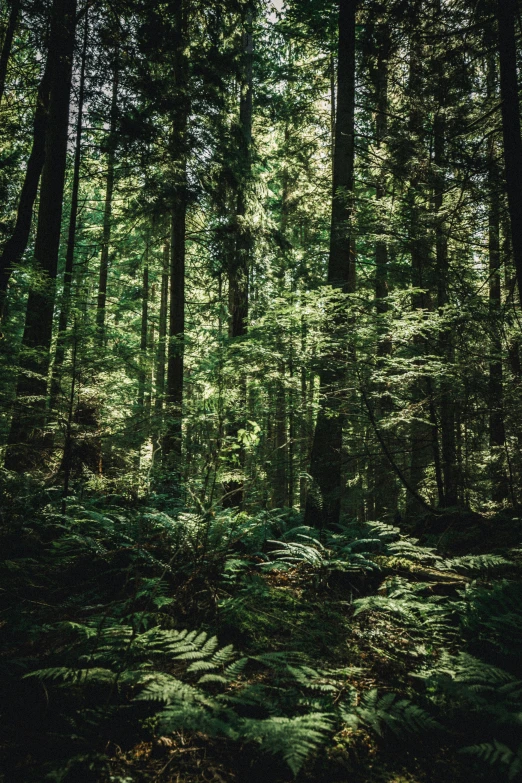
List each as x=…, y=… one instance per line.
x=240, y=260
x=29, y=415
x=507, y=13
x=447, y=402
x=16, y=244
x=172, y=441
x=497, y=433
x=323, y=505
x=65, y=303
x=7, y=43
x=239, y=254
x=107, y=209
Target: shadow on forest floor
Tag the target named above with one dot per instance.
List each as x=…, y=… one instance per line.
x=143, y=645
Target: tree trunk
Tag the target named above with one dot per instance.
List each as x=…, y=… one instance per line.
x=16, y=244
x=447, y=401
x=507, y=11
x=497, y=435
x=29, y=415
x=324, y=498
x=143, y=342
x=172, y=442
x=162, y=349
x=422, y=435
x=107, y=210
x=8, y=43
x=59, y=355
x=239, y=260
x=385, y=490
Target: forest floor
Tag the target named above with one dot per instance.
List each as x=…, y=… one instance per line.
x=141, y=643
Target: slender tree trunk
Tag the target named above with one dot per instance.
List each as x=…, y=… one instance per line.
x=507, y=11
x=447, y=400
x=107, y=210
x=162, y=348
x=497, y=434
x=280, y=444
x=324, y=499
x=240, y=258
x=240, y=262
x=172, y=442
x=29, y=415
x=16, y=244
x=385, y=490
x=422, y=437
x=7, y=43
x=59, y=356
x=144, y=342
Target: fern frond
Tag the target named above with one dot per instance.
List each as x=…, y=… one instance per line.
x=96, y=675
x=496, y=753
x=294, y=738
x=168, y=689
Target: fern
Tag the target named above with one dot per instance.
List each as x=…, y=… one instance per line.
x=398, y=715
x=294, y=738
x=168, y=689
x=428, y=618
x=496, y=753
x=478, y=565
x=68, y=676
x=300, y=552
x=494, y=614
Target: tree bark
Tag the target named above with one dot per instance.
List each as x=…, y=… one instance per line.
x=7, y=44
x=172, y=441
x=240, y=261
x=506, y=15
x=323, y=501
x=240, y=258
x=107, y=210
x=497, y=434
x=16, y=244
x=25, y=438
x=447, y=401
x=63, y=319
x=385, y=489
x=144, y=341
x=162, y=350
x=422, y=435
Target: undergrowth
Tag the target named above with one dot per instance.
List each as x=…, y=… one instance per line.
x=136, y=632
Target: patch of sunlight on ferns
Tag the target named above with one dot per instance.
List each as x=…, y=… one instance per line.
x=300, y=552
x=400, y=545
x=478, y=565
x=399, y=715
x=495, y=753
x=337, y=556
x=168, y=689
x=129, y=664
x=425, y=616
x=294, y=738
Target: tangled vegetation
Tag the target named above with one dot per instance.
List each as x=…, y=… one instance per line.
x=144, y=642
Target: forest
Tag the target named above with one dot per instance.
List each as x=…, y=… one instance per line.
x=260, y=391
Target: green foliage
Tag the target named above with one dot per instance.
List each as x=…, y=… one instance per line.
x=425, y=617
x=497, y=754
x=493, y=613
x=397, y=714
